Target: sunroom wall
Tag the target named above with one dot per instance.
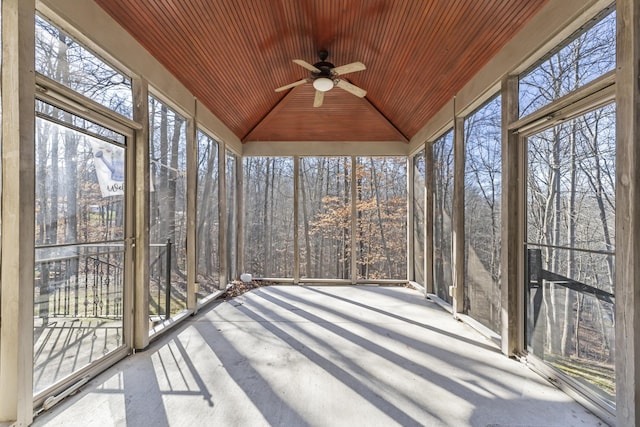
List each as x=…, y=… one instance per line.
x=558, y=19
x=555, y=21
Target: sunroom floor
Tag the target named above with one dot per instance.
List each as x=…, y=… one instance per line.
x=320, y=355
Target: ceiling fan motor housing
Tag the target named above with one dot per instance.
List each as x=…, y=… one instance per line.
x=324, y=66
x=325, y=76
x=325, y=69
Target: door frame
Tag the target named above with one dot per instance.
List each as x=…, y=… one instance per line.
x=66, y=99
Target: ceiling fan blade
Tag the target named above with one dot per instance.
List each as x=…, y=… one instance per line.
x=306, y=65
x=290, y=85
x=317, y=101
x=348, y=68
x=355, y=90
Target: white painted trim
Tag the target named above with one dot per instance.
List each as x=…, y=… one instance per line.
x=589, y=97
x=207, y=300
x=163, y=327
x=578, y=393
x=215, y=128
x=437, y=126
x=323, y=148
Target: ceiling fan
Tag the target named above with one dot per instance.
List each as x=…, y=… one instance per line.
x=325, y=76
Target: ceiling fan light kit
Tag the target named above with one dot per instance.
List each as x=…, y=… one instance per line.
x=323, y=84
x=325, y=76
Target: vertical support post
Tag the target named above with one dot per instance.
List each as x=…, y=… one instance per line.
x=296, y=220
x=410, y=219
x=192, y=201
x=142, y=188
x=354, y=222
x=457, y=243
x=239, y=216
x=222, y=214
x=428, y=218
x=627, y=291
x=512, y=277
x=167, y=282
x=18, y=207
x=126, y=310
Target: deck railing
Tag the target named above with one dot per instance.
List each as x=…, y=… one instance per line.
x=88, y=282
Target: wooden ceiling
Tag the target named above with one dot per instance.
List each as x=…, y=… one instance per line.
x=232, y=54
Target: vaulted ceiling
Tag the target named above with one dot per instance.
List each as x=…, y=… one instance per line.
x=232, y=54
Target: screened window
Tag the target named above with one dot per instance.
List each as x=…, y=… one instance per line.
x=325, y=223
x=79, y=246
x=582, y=59
x=167, y=210
x=207, y=216
x=268, y=213
x=232, y=216
x=571, y=248
x=442, y=215
x=80, y=179
x=482, y=193
x=64, y=60
x=381, y=212
x=419, y=189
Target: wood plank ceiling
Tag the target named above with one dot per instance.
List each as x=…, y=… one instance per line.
x=232, y=54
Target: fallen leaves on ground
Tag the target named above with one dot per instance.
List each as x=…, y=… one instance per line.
x=238, y=287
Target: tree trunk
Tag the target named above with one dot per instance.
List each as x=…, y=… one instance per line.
x=305, y=221
x=570, y=296
x=266, y=232
x=172, y=177
x=555, y=338
x=205, y=213
x=359, y=255
x=383, y=240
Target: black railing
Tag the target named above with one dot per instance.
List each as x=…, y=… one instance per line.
x=87, y=283
x=537, y=273
x=161, y=289
x=566, y=282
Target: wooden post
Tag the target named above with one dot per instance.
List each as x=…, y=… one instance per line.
x=296, y=220
x=354, y=222
x=457, y=240
x=18, y=207
x=142, y=187
x=239, y=217
x=512, y=279
x=410, y=219
x=222, y=214
x=627, y=291
x=192, y=203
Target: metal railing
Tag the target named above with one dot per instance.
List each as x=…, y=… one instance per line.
x=160, y=272
x=86, y=280
x=86, y=283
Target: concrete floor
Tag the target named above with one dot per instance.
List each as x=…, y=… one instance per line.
x=321, y=356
